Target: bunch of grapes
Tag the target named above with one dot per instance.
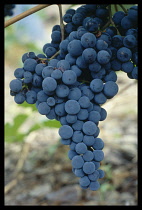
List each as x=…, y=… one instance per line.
x=8, y=9
x=74, y=77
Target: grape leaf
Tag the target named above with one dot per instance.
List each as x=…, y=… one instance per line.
x=52, y=124
x=11, y=130
x=25, y=104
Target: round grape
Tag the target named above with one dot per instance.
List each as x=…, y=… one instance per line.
x=89, y=128
x=65, y=132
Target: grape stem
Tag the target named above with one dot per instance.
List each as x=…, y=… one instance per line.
x=121, y=5
x=110, y=19
x=61, y=21
x=116, y=8
x=62, y=29
x=110, y=14
x=106, y=25
x=25, y=14
x=57, y=53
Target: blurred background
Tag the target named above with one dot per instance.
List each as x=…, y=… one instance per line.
x=37, y=169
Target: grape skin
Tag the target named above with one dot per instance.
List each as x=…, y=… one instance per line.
x=72, y=107
x=15, y=85
x=66, y=132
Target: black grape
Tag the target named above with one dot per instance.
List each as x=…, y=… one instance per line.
x=72, y=86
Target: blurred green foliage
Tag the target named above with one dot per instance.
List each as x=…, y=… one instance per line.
x=12, y=133
x=11, y=130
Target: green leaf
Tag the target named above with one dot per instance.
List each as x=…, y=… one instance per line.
x=49, y=123
x=35, y=127
x=25, y=104
x=11, y=130
x=19, y=120
x=52, y=124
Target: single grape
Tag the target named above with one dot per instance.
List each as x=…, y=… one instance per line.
x=89, y=55
x=89, y=167
x=75, y=48
x=69, y=77
x=96, y=85
x=103, y=57
x=84, y=181
x=49, y=84
x=98, y=144
x=77, y=161
x=51, y=101
x=72, y=107
x=43, y=108
x=81, y=148
x=88, y=156
x=60, y=109
x=65, y=132
x=110, y=89
x=30, y=64
x=88, y=40
x=19, y=98
x=82, y=114
x=98, y=155
x=94, y=176
x=89, y=140
x=94, y=185
x=89, y=128
x=77, y=136
x=62, y=90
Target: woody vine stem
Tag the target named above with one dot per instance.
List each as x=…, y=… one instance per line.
x=25, y=14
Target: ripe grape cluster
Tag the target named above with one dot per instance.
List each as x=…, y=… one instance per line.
x=74, y=77
x=8, y=9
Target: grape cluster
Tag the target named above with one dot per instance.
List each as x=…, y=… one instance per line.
x=74, y=77
x=8, y=9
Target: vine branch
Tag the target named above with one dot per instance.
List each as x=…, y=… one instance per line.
x=116, y=8
x=61, y=21
x=25, y=14
x=125, y=10
x=110, y=21
x=110, y=14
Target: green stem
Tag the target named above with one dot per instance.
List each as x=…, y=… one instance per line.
x=106, y=25
x=57, y=53
x=125, y=10
x=116, y=8
x=61, y=21
x=110, y=14
x=110, y=21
